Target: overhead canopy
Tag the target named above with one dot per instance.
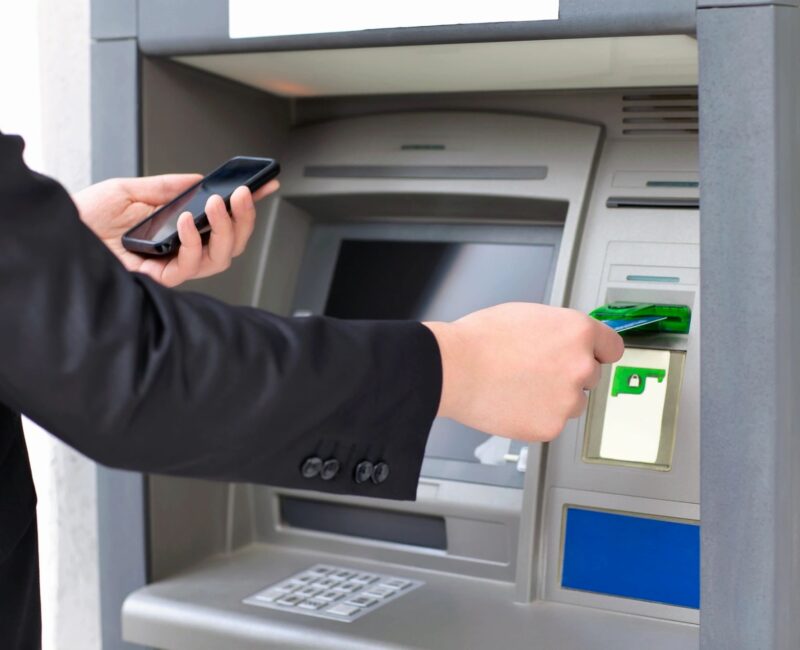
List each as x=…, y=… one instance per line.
x=619, y=62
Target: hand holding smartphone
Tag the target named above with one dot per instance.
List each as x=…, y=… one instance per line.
x=158, y=234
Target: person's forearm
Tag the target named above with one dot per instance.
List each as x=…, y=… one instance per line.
x=140, y=377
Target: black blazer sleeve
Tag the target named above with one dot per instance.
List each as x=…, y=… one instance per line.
x=140, y=377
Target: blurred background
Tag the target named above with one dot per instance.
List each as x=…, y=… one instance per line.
x=44, y=76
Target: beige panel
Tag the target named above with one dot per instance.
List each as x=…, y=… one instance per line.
x=634, y=61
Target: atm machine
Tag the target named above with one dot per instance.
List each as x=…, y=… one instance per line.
x=429, y=171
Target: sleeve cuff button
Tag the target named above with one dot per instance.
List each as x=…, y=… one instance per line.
x=380, y=473
x=363, y=472
x=311, y=467
x=329, y=469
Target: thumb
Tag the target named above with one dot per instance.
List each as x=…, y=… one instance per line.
x=608, y=345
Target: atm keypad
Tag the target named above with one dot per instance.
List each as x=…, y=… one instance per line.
x=380, y=592
x=361, y=601
x=326, y=583
x=344, y=610
x=332, y=592
x=319, y=571
x=271, y=595
x=308, y=592
x=313, y=603
x=364, y=579
x=306, y=577
x=331, y=596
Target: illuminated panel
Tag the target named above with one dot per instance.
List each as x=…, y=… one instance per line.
x=633, y=411
x=254, y=18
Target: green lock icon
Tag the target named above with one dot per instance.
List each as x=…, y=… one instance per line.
x=630, y=380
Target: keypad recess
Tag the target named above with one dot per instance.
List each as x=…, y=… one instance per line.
x=333, y=592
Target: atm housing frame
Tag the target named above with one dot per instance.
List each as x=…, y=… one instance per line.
x=748, y=51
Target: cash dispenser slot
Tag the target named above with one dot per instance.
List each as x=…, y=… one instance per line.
x=378, y=524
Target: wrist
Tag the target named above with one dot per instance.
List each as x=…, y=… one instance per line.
x=78, y=201
x=445, y=336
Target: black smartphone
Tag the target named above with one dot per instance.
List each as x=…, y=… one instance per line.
x=158, y=234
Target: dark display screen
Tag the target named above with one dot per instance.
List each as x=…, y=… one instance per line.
x=420, y=280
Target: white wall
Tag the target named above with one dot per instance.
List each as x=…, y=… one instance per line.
x=44, y=57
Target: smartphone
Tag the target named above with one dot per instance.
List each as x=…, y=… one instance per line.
x=158, y=234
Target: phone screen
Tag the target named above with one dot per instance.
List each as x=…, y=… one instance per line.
x=223, y=182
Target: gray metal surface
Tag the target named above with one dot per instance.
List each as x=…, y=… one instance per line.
x=202, y=610
x=188, y=27
x=649, y=243
x=603, y=107
x=113, y=19
x=122, y=529
x=749, y=107
x=122, y=546
x=616, y=245
x=706, y=4
x=193, y=122
x=115, y=109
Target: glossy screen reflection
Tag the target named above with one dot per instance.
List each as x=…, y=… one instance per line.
x=423, y=280
x=222, y=182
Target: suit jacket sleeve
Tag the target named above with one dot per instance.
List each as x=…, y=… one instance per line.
x=140, y=377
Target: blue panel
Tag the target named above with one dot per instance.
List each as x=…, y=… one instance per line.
x=632, y=557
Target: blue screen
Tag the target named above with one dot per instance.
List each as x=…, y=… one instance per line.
x=632, y=556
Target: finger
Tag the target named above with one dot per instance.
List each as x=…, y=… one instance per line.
x=594, y=378
x=266, y=190
x=220, y=244
x=156, y=190
x=243, y=211
x=608, y=345
x=579, y=406
x=186, y=263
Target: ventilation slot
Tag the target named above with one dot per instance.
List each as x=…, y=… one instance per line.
x=444, y=172
x=660, y=114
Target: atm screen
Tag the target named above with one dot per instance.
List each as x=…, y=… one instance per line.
x=424, y=280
